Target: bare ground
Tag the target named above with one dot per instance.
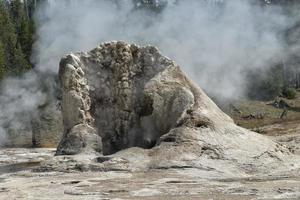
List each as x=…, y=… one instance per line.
x=18, y=181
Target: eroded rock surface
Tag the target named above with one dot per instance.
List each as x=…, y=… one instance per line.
x=129, y=96
x=121, y=95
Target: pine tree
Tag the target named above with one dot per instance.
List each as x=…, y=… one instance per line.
x=2, y=61
x=14, y=60
x=17, y=11
x=25, y=38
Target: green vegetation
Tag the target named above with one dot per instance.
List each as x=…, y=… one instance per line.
x=16, y=37
x=253, y=114
x=2, y=60
x=289, y=93
x=265, y=85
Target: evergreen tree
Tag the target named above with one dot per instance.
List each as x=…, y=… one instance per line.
x=23, y=25
x=2, y=61
x=265, y=85
x=17, y=11
x=14, y=59
x=26, y=37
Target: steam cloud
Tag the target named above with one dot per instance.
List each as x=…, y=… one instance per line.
x=20, y=99
x=214, y=41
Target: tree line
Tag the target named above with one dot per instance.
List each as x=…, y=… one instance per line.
x=17, y=35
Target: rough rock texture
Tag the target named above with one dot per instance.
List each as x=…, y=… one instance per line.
x=120, y=95
x=129, y=96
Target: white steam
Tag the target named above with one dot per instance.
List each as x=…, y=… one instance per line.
x=20, y=99
x=214, y=41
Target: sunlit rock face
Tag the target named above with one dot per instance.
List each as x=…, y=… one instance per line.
x=121, y=95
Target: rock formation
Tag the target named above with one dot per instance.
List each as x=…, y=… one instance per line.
x=121, y=95
x=46, y=127
x=43, y=131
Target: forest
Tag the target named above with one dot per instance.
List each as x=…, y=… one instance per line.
x=18, y=34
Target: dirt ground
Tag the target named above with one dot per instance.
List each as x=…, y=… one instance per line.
x=263, y=117
x=257, y=114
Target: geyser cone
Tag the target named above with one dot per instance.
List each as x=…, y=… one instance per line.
x=121, y=95
x=127, y=96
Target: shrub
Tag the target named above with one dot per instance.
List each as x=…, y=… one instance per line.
x=265, y=85
x=289, y=93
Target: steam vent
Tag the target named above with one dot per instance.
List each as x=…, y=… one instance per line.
x=121, y=95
